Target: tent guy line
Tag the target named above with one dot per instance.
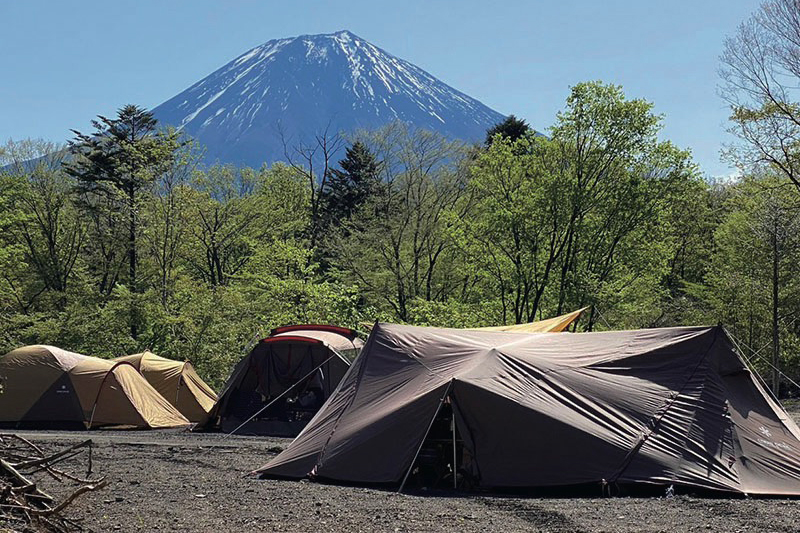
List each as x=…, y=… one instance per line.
x=281, y=395
x=757, y=354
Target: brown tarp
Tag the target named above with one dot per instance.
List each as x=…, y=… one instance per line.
x=48, y=387
x=281, y=368
x=550, y=325
x=656, y=406
x=176, y=381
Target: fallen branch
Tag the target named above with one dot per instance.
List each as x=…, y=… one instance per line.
x=53, y=457
x=23, y=501
x=60, y=507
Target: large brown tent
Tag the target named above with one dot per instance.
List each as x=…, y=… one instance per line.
x=176, y=381
x=285, y=379
x=44, y=386
x=672, y=406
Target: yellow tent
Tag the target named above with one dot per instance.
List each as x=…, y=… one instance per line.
x=551, y=325
x=178, y=382
x=44, y=386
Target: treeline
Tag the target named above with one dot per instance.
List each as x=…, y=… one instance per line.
x=122, y=241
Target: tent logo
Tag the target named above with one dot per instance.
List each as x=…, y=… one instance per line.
x=765, y=431
x=62, y=390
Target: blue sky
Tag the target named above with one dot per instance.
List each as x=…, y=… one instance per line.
x=66, y=62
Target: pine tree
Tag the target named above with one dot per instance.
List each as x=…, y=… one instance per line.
x=112, y=164
x=511, y=128
x=347, y=189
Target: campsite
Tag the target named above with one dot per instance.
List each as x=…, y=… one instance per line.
x=411, y=266
x=550, y=431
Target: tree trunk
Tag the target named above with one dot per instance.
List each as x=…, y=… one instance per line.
x=776, y=383
x=132, y=255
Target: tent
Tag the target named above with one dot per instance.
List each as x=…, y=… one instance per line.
x=44, y=386
x=549, y=325
x=552, y=325
x=176, y=381
x=645, y=408
x=285, y=379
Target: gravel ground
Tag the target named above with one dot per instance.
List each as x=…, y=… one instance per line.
x=174, y=481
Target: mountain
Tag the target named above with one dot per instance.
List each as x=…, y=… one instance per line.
x=301, y=85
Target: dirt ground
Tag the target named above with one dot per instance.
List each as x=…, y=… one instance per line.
x=175, y=481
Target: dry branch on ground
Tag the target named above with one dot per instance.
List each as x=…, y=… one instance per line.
x=24, y=506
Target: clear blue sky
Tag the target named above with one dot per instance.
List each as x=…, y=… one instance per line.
x=65, y=62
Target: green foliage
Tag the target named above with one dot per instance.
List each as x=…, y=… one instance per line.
x=756, y=252
x=512, y=129
x=349, y=188
x=397, y=247
x=410, y=227
x=579, y=218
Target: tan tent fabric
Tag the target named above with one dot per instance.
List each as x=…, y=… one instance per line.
x=177, y=382
x=49, y=387
x=289, y=375
x=551, y=325
x=672, y=406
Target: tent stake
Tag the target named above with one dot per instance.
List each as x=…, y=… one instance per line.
x=430, y=425
x=281, y=395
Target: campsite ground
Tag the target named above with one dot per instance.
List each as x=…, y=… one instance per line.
x=172, y=481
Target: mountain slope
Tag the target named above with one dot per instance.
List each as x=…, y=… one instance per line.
x=299, y=86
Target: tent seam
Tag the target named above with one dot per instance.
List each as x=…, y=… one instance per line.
x=655, y=422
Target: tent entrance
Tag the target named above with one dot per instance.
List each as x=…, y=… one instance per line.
x=441, y=456
x=281, y=390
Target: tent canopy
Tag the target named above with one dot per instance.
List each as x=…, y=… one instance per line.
x=176, y=381
x=49, y=387
x=289, y=375
x=658, y=406
x=550, y=325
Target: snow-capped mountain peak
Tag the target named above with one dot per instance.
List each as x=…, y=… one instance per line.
x=296, y=87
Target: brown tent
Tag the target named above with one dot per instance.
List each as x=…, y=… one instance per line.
x=176, y=381
x=285, y=379
x=44, y=386
x=672, y=406
x=550, y=325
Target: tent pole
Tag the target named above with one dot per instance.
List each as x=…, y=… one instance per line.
x=455, y=458
x=281, y=395
x=91, y=419
x=430, y=425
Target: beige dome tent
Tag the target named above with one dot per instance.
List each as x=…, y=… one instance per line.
x=601, y=411
x=284, y=379
x=177, y=382
x=45, y=386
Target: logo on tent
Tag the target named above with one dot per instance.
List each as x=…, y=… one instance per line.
x=765, y=431
x=63, y=390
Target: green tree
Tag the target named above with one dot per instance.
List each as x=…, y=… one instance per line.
x=562, y=221
x=351, y=185
x=123, y=156
x=236, y=211
x=52, y=233
x=512, y=128
x=397, y=248
x=752, y=285
x=760, y=70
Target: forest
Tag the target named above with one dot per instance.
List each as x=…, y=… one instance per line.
x=122, y=240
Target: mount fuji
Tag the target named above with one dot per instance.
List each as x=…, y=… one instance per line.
x=292, y=89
